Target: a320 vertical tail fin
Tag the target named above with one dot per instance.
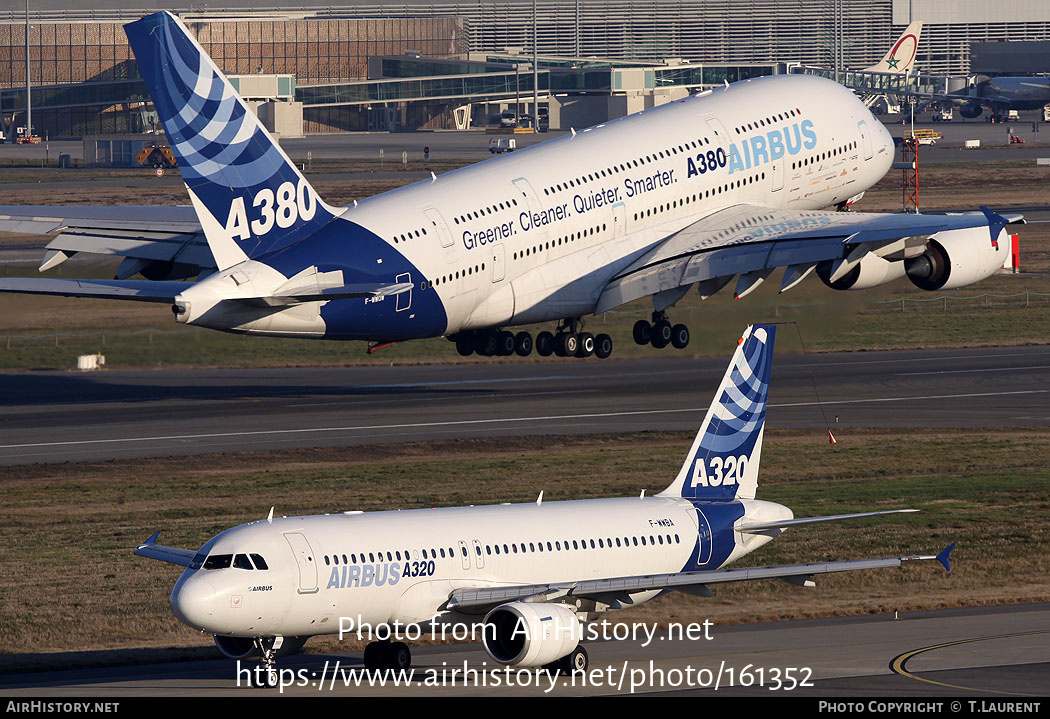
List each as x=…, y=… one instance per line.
x=250, y=198
x=901, y=57
x=724, y=459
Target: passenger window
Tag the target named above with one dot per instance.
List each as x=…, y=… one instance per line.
x=218, y=561
x=241, y=561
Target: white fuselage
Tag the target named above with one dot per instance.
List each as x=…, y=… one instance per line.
x=547, y=227
x=401, y=567
x=536, y=235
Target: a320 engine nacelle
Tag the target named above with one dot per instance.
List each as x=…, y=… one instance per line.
x=953, y=258
x=531, y=635
x=245, y=648
x=971, y=110
x=956, y=258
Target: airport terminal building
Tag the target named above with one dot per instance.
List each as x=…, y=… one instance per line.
x=441, y=63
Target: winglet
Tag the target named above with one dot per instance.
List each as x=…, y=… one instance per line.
x=996, y=224
x=943, y=557
x=269, y=517
x=151, y=540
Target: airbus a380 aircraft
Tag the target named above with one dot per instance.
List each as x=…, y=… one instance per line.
x=530, y=573
x=721, y=185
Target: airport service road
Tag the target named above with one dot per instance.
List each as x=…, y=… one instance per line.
x=995, y=652
x=62, y=416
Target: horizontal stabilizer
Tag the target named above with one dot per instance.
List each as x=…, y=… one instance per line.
x=788, y=523
x=172, y=555
x=136, y=290
x=361, y=289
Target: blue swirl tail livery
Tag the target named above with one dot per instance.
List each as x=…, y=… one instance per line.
x=250, y=198
x=715, y=190
x=515, y=567
x=724, y=459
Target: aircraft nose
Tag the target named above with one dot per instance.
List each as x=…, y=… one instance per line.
x=193, y=602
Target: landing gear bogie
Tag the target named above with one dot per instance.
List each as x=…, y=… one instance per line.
x=660, y=332
x=387, y=656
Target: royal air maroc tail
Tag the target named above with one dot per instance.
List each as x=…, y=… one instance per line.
x=527, y=578
x=901, y=57
x=728, y=184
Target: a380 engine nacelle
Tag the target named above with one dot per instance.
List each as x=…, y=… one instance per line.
x=971, y=110
x=871, y=271
x=953, y=258
x=956, y=258
x=531, y=635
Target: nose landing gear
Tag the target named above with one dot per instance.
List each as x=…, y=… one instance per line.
x=661, y=332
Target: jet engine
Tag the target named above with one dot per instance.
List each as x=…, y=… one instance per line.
x=971, y=110
x=956, y=258
x=871, y=271
x=244, y=648
x=531, y=635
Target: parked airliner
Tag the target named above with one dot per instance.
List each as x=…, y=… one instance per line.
x=725, y=184
x=530, y=574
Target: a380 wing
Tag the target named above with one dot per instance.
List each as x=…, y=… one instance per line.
x=751, y=241
x=141, y=234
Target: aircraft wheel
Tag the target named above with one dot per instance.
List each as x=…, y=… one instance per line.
x=661, y=334
x=545, y=344
x=265, y=677
x=679, y=336
x=523, y=344
x=271, y=678
x=577, y=661
x=375, y=656
x=465, y=345
x=486, y=344
x=643, y=332
x=586, y=345
x=505, y=343
x=399, y=656
x=566, y=344
x=602, y=346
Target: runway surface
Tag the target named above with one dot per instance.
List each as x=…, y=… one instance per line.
x=59, y=416
x=995, y=652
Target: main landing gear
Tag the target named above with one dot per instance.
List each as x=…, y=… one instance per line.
x=386, y=655
x=566, y=342
x=575, y=662
x=661, y=332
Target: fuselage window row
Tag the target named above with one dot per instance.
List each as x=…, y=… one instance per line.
x=490, y=550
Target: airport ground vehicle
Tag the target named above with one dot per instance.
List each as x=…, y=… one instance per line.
x=156, y=156
x=498, y=145
x=927, y=136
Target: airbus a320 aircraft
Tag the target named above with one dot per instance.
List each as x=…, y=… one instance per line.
x=529, y=573
x=723, y=185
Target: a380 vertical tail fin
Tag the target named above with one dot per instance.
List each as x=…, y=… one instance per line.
x=250, y=198
x=724, y=459
x=901, y=57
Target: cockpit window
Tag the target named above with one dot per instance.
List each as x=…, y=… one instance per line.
x=198, y=560
x=218, y=561
x=260, y=563
x=241, y=561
